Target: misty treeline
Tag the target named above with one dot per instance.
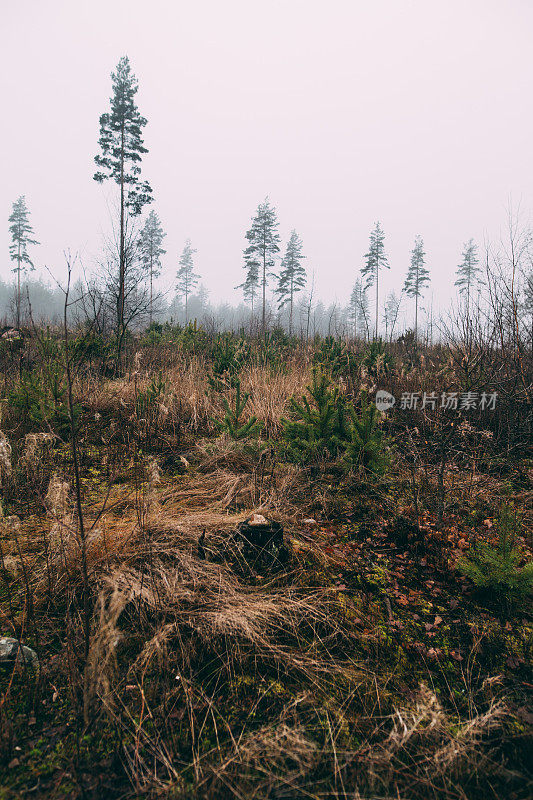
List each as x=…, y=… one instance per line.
x=123, y=293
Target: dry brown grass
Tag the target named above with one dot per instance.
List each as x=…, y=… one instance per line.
x=224, y=682
x=189, y=400
x=270, y=392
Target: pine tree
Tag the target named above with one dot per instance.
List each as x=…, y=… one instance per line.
x=317, y=429
x=151, y=239
x=366, y=447
x=122, y=149
x=375, y=260
x=358, y=310
x=233, y=424
x=186, y=278
x=417, y=277
x=292, y=277
x=21, y=236
x=467, y=272
x=259, y=256
x=392, y=309
x=496, y=568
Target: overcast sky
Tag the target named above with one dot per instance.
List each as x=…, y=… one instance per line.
x=414, y=112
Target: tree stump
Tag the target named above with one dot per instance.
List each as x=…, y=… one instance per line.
x=260, y=542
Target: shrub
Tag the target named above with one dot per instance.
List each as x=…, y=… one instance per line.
x=274, y=349
x=495, y=569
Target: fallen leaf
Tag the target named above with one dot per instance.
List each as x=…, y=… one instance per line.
x=457, y=656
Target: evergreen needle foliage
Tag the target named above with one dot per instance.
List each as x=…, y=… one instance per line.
x=366, y=446
x=233, y=423
x=417, y=276
x=377, y=359
x=334, y=358
x=151, y=250
x=375, y=260
x=495, y=569
x=324, y=427
x=292, y=277
x=229, y=356
x=260, y=255
x=21, y=236
x=186, y=278
x=318, y=427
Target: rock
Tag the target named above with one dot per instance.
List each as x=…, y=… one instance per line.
x=309, y=521
x=12, y=651
x=260, y=541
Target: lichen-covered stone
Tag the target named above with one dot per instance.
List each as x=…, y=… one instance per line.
x=12, y=651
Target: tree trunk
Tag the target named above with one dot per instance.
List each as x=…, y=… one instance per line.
x=263, y=317
x=122, y=258
x=151, y=287
x=18, y=286
x=290, y=310
x=377, y=299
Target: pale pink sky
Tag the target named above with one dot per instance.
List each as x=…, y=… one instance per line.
x=414, y=112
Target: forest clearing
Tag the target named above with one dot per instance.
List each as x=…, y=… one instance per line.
x=386, y=644
x=266, y=400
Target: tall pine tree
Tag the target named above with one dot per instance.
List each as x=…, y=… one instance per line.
x=122, y=149
x=21, y=236
x=417, y=277
x=390, y=316
x=292, y=277
x=259, y=256
x=467, y=272
x=151, y=250
x=186, y=278
x=375, y=260
x=358, y=311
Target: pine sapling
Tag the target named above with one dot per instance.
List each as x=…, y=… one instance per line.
x=495, y=569
x=233, y=423
x=366, y=447
x=317, y=429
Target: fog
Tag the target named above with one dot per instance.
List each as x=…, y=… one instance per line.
x=414, y=113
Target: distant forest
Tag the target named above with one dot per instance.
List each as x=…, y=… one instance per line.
x=43, y=303
x=277, y=289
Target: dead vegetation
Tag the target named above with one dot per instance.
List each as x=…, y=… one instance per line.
x=359, y=667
